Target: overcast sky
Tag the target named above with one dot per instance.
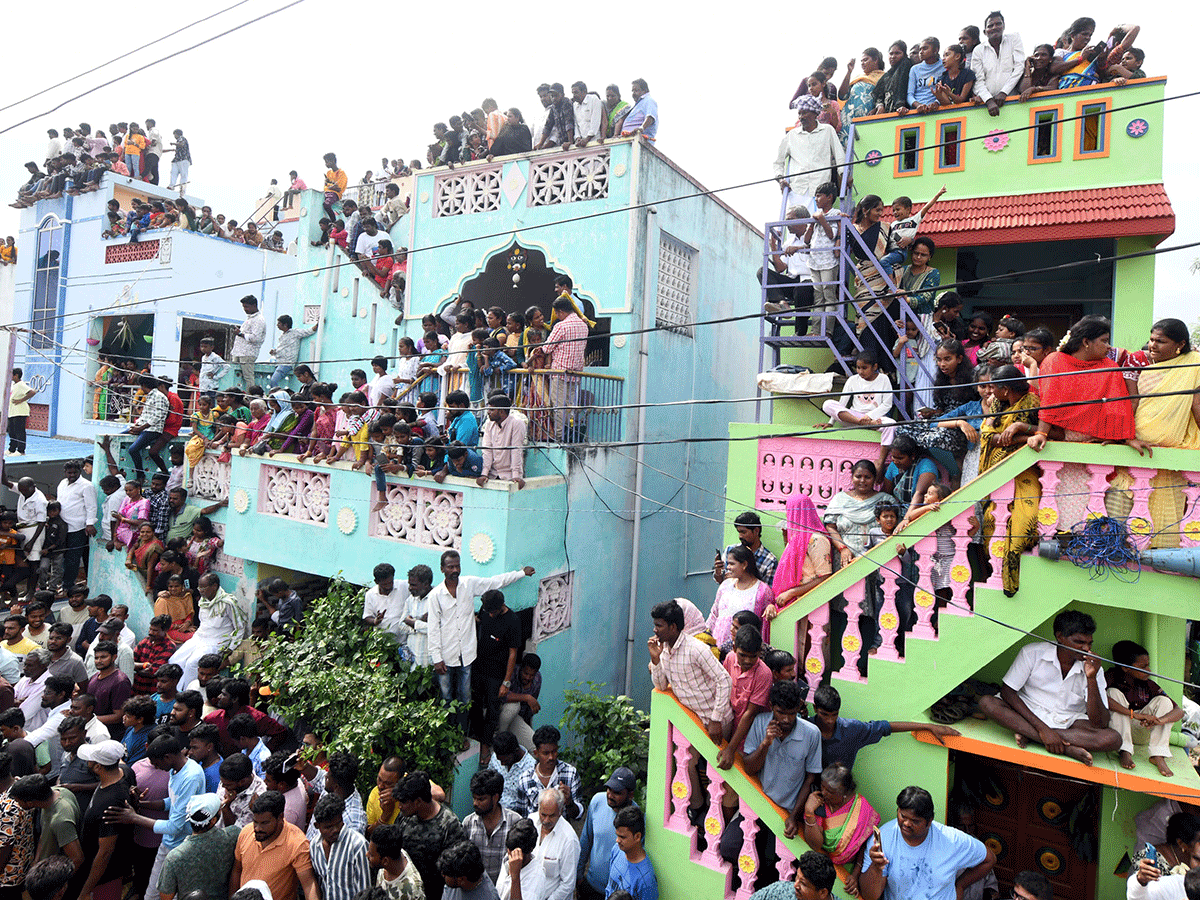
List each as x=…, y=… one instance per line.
x=368, y=79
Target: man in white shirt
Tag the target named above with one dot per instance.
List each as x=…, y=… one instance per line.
x=589, y=118
x=523, y=863
x=383, y=384
x=807, y=153
x=212, y=367
x=452, y=641
x=790, y=270
x=368, y=241
x=78, y=499
x=154, y=149
x=249, y=340
x=383, y=605
x=54, y=148
x=56, y=704
x=557, y=845
x=28, y=691
x=1055, y=694
x=31, y=522
x=998, y=63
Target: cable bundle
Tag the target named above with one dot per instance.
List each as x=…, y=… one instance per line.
x=1102, y=544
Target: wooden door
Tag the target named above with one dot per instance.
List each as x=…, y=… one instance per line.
x=1025, y=817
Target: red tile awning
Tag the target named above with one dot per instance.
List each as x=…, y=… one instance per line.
x=1109, y=212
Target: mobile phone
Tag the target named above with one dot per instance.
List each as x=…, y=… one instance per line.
x=1152, y=854
x=718, y=551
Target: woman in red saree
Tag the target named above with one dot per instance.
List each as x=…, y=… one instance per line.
x=1082, y=374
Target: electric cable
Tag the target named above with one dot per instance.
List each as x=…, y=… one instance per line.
x=143, y=67
x=688, y=196
x=124, y=55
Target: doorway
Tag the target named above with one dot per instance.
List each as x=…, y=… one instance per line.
x=1032, y=820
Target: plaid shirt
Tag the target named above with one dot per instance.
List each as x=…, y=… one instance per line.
x=700, y=682
x=765, y=559
x=491, y=847
x=531, y=785
x=154, y=411
x=567, y=341
x=160, y=513
x=152, y=654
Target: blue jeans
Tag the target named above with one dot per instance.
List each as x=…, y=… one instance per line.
x=456, y=685
x=280, y=375
x=381, y=484
x=892, y=260
x=144, y=441
x=134, y=162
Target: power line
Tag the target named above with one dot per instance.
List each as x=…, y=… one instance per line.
x=123, y=56
x=143, y=67
x=688, y=196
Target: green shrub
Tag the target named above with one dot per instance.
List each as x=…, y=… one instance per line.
x=348, y=686
x=605, y=732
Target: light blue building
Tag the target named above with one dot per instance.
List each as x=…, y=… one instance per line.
x=605, y=535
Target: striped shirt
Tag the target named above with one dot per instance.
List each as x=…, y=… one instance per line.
x=491, y=846
x=287, y=345
x=346, y=871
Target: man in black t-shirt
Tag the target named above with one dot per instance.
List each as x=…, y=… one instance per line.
x=498, y=633
x=108, y=845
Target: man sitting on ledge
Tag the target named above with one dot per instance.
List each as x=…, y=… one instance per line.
x=1056, y=695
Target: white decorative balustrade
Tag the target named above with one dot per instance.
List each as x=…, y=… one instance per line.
x=294, y=494
x=426, y=517
x=210, y=478
x=568, y=178
x=467, y=191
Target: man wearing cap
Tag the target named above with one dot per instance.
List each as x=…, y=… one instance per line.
x=599, y=835
x=205, y=858
x=806, y=153
x=185, y=779
x=107, y=843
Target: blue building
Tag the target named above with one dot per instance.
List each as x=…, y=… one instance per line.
x=605, y=534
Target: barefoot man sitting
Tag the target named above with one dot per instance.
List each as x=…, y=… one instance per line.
x=1056, y=695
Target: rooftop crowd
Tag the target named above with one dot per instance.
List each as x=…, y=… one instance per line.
x=76, y=160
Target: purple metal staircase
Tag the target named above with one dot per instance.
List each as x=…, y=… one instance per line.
x=825, y=323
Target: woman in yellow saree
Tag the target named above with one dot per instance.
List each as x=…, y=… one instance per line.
x=1166, y=414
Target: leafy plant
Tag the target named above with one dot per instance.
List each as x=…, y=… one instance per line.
x=606, y=732
x=348, y=686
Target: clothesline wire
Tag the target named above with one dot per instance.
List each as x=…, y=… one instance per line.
x=647, y=204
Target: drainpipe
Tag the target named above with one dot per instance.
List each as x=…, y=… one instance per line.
x=648, y=274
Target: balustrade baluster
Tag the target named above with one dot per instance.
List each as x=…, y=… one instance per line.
x=923, y=597
x=1049, y=514
x=747, y=863
x=852, y=643
x=714, y=821
x=960, y=566
x=1190, y=527
x=786, y=861
x=889, y=616
x=1140, y=522
x=1001, y=498
x=679, y=788
x=1098, y=476
x=814, y=661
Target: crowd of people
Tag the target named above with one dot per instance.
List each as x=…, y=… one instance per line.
x=143, y=766
x=76, y=160
x=746, y=696
x=987, y=69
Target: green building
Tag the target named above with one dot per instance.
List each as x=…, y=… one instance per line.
x=1068, y=176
